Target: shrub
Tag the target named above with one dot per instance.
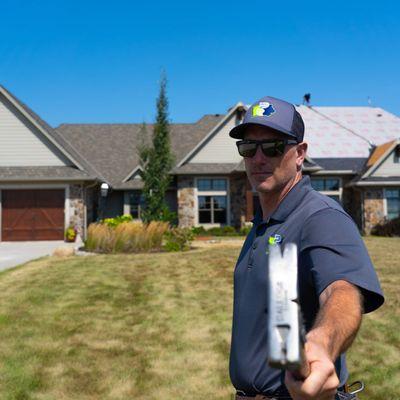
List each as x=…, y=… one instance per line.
x=114, y=222
x=199, y=230
x=178, y=239
x=387, y=228
x=222, y=231
x=126, y=237
x=245, y=230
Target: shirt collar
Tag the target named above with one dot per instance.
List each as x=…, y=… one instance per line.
x=288, y=204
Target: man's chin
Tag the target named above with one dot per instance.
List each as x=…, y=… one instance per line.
x=264, y=187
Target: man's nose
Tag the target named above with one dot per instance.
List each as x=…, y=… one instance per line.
x=259, y=157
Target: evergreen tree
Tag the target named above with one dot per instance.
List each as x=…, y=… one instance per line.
x=157, y=161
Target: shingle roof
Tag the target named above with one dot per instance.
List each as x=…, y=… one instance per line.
x=112, y=148
x=43, y=174
x=205, y=168
x=341, y=164
x=344, y=132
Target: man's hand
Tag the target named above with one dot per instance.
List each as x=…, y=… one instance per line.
x=322, y=382
x=336, y=325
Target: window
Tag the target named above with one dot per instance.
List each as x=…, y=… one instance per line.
x=211, y=184
x=135, y=204
x=212, y=209
x=325, y=184
x=328, y=186
x=212, y=200
x=397, y=155
x=392, y=203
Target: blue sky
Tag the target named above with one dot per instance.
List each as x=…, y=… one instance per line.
x=100, y=61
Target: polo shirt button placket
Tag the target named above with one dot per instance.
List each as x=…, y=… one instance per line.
x=251, y=256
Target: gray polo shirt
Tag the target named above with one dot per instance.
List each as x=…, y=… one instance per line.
x=330, y=248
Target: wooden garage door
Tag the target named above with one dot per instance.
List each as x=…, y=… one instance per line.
x=32, y=215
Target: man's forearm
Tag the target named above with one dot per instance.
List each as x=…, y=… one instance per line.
x=338, y=319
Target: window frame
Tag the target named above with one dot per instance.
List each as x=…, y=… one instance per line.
x=338, y=192
x=127, y=204
x=385, y=190
x=225, y=193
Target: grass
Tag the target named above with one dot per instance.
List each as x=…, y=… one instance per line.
x=152, y=326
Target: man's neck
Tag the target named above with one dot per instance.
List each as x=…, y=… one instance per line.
x=269, y=201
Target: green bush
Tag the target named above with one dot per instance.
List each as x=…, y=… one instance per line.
x=245, y=230
x=388, y=228
x=220, y=231
x=114, y=222
x=178, y=239
x=198, y=230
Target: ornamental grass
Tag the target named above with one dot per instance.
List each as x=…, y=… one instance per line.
x=127, y=237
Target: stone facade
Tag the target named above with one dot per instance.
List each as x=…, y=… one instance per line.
x=77, y=208
x=238, y=186
x=186, y=201
x=374, y=212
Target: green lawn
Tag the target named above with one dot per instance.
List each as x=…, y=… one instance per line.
x=153, y=326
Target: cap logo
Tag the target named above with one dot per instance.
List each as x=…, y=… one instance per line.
x=263, y=109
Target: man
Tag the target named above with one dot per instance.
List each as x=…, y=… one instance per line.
x=337, y=281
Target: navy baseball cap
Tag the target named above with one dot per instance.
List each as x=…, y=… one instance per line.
x=276, y=114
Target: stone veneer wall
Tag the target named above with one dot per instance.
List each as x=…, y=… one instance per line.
x=373, y=208
x=186, y=201
x=238, y=199
x=76, y=207
x=351, y=201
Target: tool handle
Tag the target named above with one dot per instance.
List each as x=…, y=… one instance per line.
x=304, y=371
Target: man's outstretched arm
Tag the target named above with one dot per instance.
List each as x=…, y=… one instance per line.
x=335, y=328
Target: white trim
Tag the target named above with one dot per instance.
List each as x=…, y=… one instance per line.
x=132, y=173
x=126, y=206
x=334, y=172
x=381, y=183
x=38, y=186
x=380, y=160
x=225, y=192
x=384, y=204
x=215, y=129
x=38, y=126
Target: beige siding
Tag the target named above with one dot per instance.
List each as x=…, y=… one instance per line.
x=221, y=148
x=388, y=167
x=23, y=145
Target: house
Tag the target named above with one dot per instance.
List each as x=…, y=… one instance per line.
x=50, y=178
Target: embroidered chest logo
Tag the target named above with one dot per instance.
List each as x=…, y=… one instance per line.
x=273, y=240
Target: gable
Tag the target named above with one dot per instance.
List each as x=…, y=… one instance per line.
x=388, y=167
x=220, y=147
x=22, y=144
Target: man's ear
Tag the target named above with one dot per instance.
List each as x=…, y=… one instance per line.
x=301, y=152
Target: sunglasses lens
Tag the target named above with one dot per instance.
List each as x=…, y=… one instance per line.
x=247, y=149
x=270, y=149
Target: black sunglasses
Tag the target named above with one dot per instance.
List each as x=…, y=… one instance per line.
x=270, y=147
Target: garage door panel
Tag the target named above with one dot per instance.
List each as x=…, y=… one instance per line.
x=32, y=214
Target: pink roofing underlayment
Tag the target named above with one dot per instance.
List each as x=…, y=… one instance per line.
x=345, y=131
